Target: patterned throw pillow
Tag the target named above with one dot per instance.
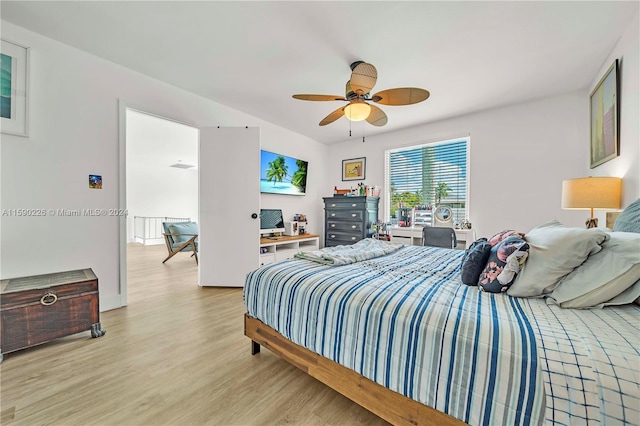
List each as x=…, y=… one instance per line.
x=504, y=234
x=505, y=261
x=474, y=261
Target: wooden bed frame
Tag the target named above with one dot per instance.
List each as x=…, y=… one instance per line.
x=385, y=403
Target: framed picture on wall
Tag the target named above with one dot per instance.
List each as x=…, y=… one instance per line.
x=604, y=118
x=14, y=64
x=354, y=168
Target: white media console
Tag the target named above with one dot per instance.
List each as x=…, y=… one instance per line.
x=285, y=247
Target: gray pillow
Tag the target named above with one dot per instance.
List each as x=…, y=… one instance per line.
x=603, y=276
x=629, y=219
x=554, y=251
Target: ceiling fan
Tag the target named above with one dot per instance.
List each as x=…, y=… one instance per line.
x=357, y=93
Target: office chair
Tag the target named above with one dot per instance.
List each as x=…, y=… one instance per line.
x=439, y=237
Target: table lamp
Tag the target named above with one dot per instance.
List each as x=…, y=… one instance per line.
x=591, y=193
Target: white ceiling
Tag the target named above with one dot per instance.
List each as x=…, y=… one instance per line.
x=252, y=56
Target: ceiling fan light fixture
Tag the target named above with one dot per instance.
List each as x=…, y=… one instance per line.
x=357, y=111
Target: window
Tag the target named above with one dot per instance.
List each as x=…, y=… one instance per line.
x=425, y=176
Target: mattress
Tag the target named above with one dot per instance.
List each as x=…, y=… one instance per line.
x=406, y=321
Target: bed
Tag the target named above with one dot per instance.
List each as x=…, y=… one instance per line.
x=401, y=335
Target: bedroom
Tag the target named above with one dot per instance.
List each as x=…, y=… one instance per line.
x=80, y=134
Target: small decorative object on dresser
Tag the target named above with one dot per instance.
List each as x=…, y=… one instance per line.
x=349, y=219
x=36, y=309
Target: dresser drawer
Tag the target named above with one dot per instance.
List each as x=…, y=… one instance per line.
x=345, y=226
x=345, y=204
x=343, y=237
x=347, y=214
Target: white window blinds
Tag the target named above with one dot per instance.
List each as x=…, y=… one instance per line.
x=427, y=175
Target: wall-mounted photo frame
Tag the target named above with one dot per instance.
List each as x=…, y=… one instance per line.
x=604, y=118
x=354, y=168
x=95, y=181
x=14, y=79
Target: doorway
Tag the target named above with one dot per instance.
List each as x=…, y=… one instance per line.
x=160, y=182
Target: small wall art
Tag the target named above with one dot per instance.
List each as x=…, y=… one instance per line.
x=95, y=181
x=604, y=118
x=354, y=169
x=14, y=68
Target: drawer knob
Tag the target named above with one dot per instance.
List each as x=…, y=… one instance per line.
x=353, y=215
x=333, y=225
x=333, y=214
x=333, y=205
x=353, y=205
x=353, y=238
x=353, y=227
x=48, y=299
x=333, y=236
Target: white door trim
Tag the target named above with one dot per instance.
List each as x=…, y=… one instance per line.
x=123, y=106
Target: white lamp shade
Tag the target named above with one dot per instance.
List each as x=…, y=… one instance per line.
x=357, y=111
x=591, y=193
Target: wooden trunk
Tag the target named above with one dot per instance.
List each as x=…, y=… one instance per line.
x=37, y=309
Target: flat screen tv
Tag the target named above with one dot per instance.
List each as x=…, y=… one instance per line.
x=280, y=174
x=271, y=221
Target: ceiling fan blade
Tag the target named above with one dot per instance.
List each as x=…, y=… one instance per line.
x=377, y=117
x=401, y=96
x=332, y=117
x=320, y=97
x=363, y=78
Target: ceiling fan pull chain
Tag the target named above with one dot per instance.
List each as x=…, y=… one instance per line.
x=363, y=132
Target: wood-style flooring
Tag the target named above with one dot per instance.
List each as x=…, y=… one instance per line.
x=176, y=355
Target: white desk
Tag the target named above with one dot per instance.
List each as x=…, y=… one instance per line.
x=412, y=235
x=285, y=247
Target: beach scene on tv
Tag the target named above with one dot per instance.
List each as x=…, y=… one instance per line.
x=280, y=174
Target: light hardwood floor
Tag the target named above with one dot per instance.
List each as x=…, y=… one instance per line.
x=175, y=356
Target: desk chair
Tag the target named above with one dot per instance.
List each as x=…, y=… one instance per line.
x=439, y=237
x=179, y=237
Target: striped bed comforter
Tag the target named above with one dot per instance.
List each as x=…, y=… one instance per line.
x=405, y=321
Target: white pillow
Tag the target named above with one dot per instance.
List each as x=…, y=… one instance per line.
x=554, y=251
x=603, y=276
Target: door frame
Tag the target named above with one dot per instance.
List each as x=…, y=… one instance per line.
x=123, y=106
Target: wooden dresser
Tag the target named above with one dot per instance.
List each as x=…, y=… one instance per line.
x=348, y=219
x=39, y=308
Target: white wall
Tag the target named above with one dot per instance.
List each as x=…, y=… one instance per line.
x=519, y=155
x=74, y=132
x=161, y=192
x=281, y=142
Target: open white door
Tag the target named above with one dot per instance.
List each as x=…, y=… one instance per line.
x=229, y=181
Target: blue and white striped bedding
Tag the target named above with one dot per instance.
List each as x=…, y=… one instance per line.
x=406, y=322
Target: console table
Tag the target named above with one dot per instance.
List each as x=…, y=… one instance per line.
x=39, y=308
x=281, y=248
x=412, y=235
